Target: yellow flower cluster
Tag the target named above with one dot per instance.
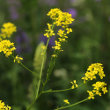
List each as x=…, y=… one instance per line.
x=18, y=59
x=7, y=30
x=92, y=71
x=98, y=87
x=62, y=19
x=49, y=31
x=74, y=84
x=66, y=101
x=7, y=47
x=3, y=106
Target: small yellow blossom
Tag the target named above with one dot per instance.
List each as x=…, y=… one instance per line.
x=68, y=30
x=92, y=71
x=60, y=32
x=3, y=106
x=57, y=45
x=66, y=101
x=74, y=84
x=7, y=30
x=7, y=47
x=49, y=31
x=104, y=90
x=18, y=59
x=91, y=95
x=97, y=88
x=54, y=55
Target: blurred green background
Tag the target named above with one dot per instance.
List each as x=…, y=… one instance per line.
x=88, y=43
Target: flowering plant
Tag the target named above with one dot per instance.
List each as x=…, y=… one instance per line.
x=60, y=21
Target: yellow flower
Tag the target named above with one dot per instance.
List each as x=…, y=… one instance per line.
x=74, y=84
x=54, y=13
x=62, y=19
x=49, y=31
x=60, y=32
x=92, y=71
x=54, y=55
x=104, y=89
x=66, y=101
x=68, y=30
x=97, y=88
x=3, y=107
x=7, y=30
x=99, y=85
x=57, y=46
x=91, y=95
x=18, y=59
x=7, y=47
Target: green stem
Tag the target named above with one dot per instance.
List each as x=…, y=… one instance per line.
x=26, y=68
x=71, y=105
x=51, y=91
x=41, y=70
x=51, y=66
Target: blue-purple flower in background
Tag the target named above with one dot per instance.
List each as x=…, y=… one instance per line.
x=14, y=6
x=22, y=42
x=72, y=11
x=44, y=39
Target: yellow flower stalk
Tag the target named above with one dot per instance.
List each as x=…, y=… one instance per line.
x=60, y=19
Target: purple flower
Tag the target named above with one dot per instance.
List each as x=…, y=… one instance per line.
x=14, y=5
x=13, y=13
x=44, y=39
x=18, y=49
x=22, y=42
x=73, y=12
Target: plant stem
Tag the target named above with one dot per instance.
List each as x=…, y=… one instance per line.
x=71, y=105
x=51, y=66
x=41, y=70
x=26, y=68
x=51, y=91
